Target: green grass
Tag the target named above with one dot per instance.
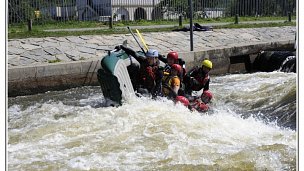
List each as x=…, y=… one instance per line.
x=45, y=25
x=21, y=30
x=257, y=25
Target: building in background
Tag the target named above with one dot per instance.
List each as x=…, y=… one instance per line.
x=124, y=10
x=119, y=9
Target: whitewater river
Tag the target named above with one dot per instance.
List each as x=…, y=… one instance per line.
x=252, y=126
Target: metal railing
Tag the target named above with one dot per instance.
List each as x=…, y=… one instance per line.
x=126, y=10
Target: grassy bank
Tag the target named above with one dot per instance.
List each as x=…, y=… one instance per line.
x=39, y=27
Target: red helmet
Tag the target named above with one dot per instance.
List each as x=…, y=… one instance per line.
x=177, y=67
x=207, y=94
x=203, y=107
x=173, y=55
x=183, y=100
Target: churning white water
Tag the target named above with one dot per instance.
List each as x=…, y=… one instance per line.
x=70, y=130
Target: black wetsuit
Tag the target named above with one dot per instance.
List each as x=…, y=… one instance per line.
x=195, y=80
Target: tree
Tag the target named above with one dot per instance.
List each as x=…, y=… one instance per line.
x=19, y=11
x=261, y=7
x=182, y=6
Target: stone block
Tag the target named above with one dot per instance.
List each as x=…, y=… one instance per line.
x=74, y=39
x=62, y=57
x=85, y=37
x=74, y=55
x=52, y=51
x=51, y=39
x=14, y=43
x=15, y=51
x=13, y=60
x=86, y=50
x=37, y=52
x=48, y=58
x=26, y=61
x=60, y=39
x=29, y=46
x=90, y=45
x=49, y=44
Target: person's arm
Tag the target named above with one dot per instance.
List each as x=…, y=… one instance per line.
x=181, y=62
x=157, y=75
x=187, y=77
x=192, y=71
x=206, y=87
x=194, y=82
x=131, y=52
x=162, y=58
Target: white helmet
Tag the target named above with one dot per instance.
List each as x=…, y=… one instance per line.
x=152, y=53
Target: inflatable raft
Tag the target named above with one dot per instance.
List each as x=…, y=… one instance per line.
x=114, y=76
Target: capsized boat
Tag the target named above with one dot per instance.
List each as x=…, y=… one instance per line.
x=114, y=76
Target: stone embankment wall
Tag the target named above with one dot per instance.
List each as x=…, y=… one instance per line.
x=30, y=70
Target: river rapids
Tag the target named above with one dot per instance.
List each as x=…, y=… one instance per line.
x=251, y=126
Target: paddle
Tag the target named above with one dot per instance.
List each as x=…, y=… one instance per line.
x=136, y=40
x=142, y=39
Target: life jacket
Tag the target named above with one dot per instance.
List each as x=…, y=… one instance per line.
x=147, y=76
x=167, y=68
x=165, y=77
x=202, y=79
x=168, y=82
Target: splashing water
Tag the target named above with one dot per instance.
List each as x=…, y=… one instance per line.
x=70, y=130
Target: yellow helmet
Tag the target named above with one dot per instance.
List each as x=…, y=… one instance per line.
x=175, y=81
x=207, y=63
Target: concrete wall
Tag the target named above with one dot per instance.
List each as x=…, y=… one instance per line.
x=60, y=76
x=49, y=77
x=220, y=57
